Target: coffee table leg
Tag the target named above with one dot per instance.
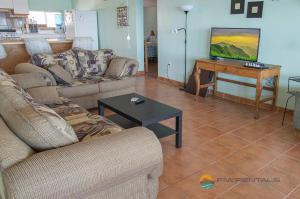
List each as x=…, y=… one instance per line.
x=101, y=110
x=179, y=131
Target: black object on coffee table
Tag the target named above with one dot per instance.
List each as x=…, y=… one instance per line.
x=147, y=114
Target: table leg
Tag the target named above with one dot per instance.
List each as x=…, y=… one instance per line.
x=215, y=83
x=179, y=131
x=259, y=87
x=275, y=92
x=197, y=80
x=100, y=110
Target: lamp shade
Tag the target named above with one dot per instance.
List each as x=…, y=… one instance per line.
x=2, y=52
x=186, y=8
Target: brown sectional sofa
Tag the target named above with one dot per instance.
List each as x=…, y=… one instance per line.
x=85, y=94
x=107, y=161
x=117, y=74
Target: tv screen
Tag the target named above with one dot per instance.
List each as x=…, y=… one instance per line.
x=235, y=43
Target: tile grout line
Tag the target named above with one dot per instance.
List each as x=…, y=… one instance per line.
x=268, y=164
x=292, y=191
x=247, y=145
x=214, y=162
x=254, y=142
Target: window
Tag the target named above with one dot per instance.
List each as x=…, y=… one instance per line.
x=50, y=19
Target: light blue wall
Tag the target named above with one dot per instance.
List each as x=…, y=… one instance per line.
x=114, y=37
x=140, y=32
x=111, y=36
x=150, y=20
x=280, y=41
x=50, y=5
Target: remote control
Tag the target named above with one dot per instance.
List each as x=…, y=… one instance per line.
x=139, y=101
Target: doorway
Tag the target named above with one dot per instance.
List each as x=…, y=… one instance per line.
x=150, y=38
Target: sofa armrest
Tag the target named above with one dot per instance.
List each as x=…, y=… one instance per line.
x=129, y=66
x=32, y=80
x=77, y=170
x=30, y=68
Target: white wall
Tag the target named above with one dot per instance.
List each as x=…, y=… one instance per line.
x=150, y=20
x=114, y=37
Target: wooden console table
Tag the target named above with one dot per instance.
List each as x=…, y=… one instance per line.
x=237, y=68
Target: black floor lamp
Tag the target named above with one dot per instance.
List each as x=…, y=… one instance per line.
x=186, y=9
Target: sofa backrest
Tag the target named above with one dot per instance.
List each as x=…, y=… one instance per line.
x=37, y=125
x=12, y=149
x=30, y=68
x=2, y=195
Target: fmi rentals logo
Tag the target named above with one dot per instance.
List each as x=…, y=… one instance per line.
x=207, y=182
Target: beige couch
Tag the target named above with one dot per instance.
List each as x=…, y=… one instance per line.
x=87, y=92
x=125, y=164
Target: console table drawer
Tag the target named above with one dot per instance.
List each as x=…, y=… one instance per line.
x=206, y=66
x=244, y=72
x=226, y=69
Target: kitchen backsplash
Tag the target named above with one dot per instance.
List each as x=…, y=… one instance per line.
x=14, y=29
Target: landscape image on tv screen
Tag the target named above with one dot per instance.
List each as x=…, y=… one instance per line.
x=233, y=43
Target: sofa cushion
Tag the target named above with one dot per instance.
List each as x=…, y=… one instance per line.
x=35, y=124
x=61, y=76
x=93, y=62
x=30, y=68
x=83, y=59
x=101, y=59
x=116, y=84
x=116, y=67
x=45, y=95
x=122, y=67
x=85, y=125
x=12, y=149
x=6, y=80
x=31, y=80
x=43, y=60
x=69, y=62
x=79, y=89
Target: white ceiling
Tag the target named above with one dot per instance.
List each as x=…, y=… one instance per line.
x=150, y=3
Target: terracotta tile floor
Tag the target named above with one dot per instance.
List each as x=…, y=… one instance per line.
x=223, y=140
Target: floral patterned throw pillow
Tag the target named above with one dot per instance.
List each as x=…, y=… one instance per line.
x=43, y=60
x=93, y=62
x=69, y=62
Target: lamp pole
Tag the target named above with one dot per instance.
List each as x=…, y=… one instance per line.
x=186, y=9
x=185, y=46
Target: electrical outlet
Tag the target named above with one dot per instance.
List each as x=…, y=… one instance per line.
x=169, y=65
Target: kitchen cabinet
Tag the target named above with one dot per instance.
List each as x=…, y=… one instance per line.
x=6, y=4
x=20, y=6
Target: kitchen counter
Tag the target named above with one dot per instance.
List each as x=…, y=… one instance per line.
x=20, y=41
x=16, y=52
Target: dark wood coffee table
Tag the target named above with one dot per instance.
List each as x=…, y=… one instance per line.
x=147, y=114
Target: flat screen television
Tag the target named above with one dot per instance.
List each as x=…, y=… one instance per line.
x=235, y=43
